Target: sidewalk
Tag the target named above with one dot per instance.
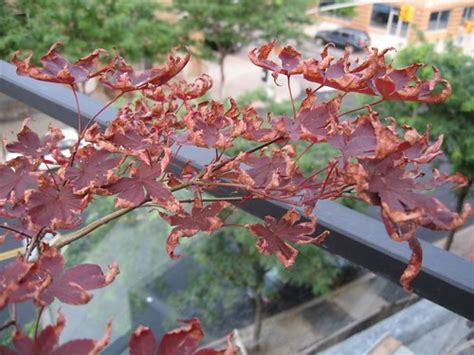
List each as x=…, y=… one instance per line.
x=291, y=331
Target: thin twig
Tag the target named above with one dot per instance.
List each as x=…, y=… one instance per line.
x=250, y=151
x=102, y=110
x=33, y=243
x=40, y=313
x=303, y=152
x=291, y=97
x=317, y=89
x=81, y=134
x=79, y=116
x=361, y=108
x=16, y=231
x=237, y=198
x=7, y=324
x=52, y=175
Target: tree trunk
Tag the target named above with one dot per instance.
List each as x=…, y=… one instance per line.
x=459, y=204
x=257, y=330
x=221, y=66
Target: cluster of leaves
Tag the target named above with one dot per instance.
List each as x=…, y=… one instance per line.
x=453, y=118
x=45, y=190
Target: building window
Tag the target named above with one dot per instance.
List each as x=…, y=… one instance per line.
x=344, y=12
x=438, y=20
x=380, y=15
x=467, y=14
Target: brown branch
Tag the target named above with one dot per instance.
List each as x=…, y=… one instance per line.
x=62, y=241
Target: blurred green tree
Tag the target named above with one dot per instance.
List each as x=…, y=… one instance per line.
x=452, y=118
x=227, y=25
x=130, y=25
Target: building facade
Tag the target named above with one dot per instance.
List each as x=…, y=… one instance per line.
x=436, y=19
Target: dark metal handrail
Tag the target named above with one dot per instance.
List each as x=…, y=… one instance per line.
x=445, y=278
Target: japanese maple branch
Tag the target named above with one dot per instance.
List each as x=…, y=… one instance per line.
x=62, y=241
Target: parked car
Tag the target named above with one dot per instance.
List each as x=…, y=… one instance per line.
x=344, y=37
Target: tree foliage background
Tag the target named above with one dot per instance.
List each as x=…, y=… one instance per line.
x=134, y=26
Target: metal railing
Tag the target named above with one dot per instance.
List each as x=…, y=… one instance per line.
x=445, y=278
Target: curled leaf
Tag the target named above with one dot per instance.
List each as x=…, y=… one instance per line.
x=58, y=69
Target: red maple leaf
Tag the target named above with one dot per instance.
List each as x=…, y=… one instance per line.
x=210, y=126
x=290, y=60
x=143, y=178
x=266, y=172
x=92, y=171
x=198, y=88
x=30, y=145
x=184, y=340
x=252, y=129
x=123, y=77
x=68, y=286
x=16, y=177
x=11, y=277
x=313, y=123
x=186, y=225
x=57, y=69
x=50, y=207
x=273, y=237
x=46, y=342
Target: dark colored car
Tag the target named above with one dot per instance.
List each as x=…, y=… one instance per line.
x=344, y=37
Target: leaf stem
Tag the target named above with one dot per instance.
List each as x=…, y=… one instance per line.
x=40, y=313
x=373, y=103
x=79, y=116
x=250, y=151
x=317, y=89
x=8, y=324
x=291, y=97
x=16, y=231
x=236, y=198
x=81, y=134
